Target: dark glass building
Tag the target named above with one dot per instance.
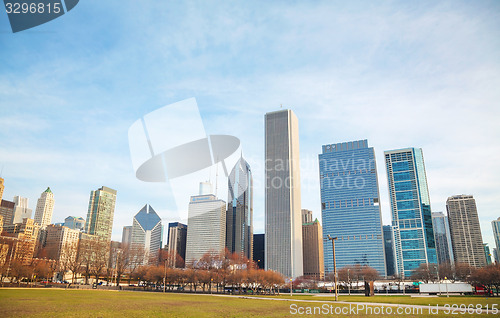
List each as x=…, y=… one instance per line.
x=350, y=206
x=258, y=250
x=389, y=249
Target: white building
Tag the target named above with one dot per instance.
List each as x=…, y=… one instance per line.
x=44, y=208
x=283, y=247
x=206, y=231
x=147, y=232
x=21, y=210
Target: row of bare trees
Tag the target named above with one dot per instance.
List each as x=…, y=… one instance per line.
x=488, y=276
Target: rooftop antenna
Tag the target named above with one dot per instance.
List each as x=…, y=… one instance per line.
x=281, y=105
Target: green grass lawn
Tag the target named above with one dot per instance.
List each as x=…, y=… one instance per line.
x=97, y=303
x=398, y=299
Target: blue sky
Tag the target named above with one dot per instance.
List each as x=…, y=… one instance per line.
x=400, y=74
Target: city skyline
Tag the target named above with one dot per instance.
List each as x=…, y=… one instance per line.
x=65, y=116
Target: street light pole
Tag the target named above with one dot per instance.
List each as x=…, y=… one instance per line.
x=348, y=281
x=334, y=267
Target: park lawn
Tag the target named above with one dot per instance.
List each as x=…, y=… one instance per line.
x=399, y=299
x=97, y=303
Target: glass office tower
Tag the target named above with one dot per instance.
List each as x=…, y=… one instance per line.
x=411, y=210
x=350, y=206
x=239, y=215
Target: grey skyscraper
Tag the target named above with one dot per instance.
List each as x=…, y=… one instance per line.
x=147, y=232
x=75, y=223
x=239, y=214
x=101, y=212
x=21, y=210
x=126, y=235
x=282, y=198
x=411, y=210
x=465, y=230
x=444, y=249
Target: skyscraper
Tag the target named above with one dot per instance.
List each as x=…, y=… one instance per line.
x=176, y=244
x=44, y=208
x=75, y=223
x=21, y=210
x=350, y=206
x=389, y=250
x=282, y=199
x=496, y=232
x=312, y=246
x=7, y=211
x=206, y=232
x=441, y=228
x=147, y=232
x=126, y=235
x=487, y=253
x=239, y=215
x=465, y=230
x=101, y=211
x=411, y=210
x=2, y=187
x=307, y=216
x=259, y=250
x=61, y=243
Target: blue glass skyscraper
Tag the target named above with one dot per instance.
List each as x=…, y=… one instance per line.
x=350, y=206
x=411, y=210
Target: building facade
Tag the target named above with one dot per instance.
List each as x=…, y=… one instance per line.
x=176, y=244
x=487, y=254
x=75, y=223
x=282, y=195
x=239, y=214
x=147, y=233
x=23, y=237
x=101, y=212
x=389, y=250
x=350, y=206
x=496, y=233
x=2, y=187
x=206, y=232
x=259, y=255
x=312, y=246
x=411, y=210
x=442, y=236
x=7, y=211
x=126, y=235
x=61, y=243
x=21, y=210
x=307, y=216
x=465, y=231
x=44, y=208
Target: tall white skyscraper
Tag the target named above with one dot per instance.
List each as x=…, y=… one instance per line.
x=44, y=208
x=496, y=234
x=147, y=232
x=206, y=232
x=283, y=247
x=21, y=210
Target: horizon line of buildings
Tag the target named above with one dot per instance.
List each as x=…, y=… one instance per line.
x=293, y=244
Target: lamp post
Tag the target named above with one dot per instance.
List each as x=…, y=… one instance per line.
x=291, y=287
x=348, y=282
x=334, y=267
